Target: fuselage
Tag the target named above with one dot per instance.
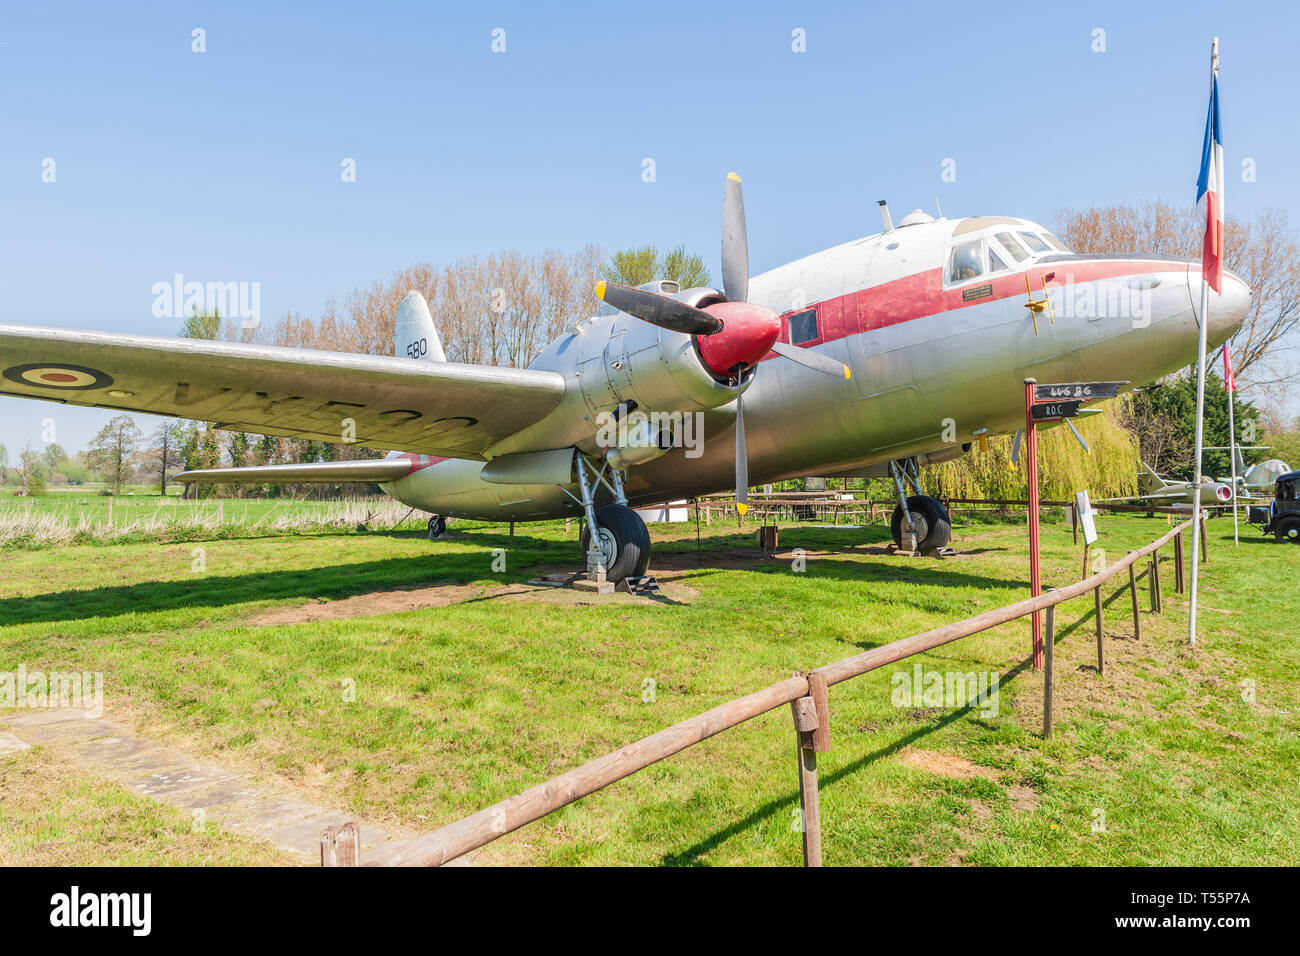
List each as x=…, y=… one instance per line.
x=931, y=318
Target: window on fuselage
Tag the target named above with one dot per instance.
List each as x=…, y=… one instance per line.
x=995, y=261
x=1035, y=243
x=967, y=261
x=803, y=327
x=1013, y=247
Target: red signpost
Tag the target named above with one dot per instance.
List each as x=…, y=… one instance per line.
x=1031, y=468
x=1050, y=403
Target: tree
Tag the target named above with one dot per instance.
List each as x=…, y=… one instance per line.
x=111, y=450
x=638, y=266
x=1175, y=401
x=201, y=325
x=165, y=453
x=53, y=455
x=1263, y=252
x=31, y=467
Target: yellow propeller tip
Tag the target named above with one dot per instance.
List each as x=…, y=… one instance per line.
x=600, y=290
x=741, y=508
x=735, y=177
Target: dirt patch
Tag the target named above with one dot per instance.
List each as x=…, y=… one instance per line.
x=946, y=765
x=1022, y=797
x=443, y=595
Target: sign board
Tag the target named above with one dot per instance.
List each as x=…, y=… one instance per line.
x=1085, y=516
x=1054, y=411
x=1080, y=391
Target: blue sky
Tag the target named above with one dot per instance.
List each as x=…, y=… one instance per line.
x=225, y=165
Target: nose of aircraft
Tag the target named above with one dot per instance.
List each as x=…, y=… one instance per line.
x=1227, y=309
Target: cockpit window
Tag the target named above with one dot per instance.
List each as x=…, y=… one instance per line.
x=1057, y=243
x=1015, y=248
x=995, y=262
x=967, y=261
x=1034, y=243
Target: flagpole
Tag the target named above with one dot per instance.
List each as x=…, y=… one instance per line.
x=1232, y=437
x=1200, y=408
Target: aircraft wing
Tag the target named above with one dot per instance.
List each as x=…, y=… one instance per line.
x=363, y=470
x=435, y=408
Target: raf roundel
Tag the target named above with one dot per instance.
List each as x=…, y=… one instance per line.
x=58, y=376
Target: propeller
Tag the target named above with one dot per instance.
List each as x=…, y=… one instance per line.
x=732, y=336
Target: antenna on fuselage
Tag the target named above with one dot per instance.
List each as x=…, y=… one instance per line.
x=885, y=221
x=938, y=207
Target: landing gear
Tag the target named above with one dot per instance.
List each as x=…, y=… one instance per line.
x=624, y=542
x=929, y=521
x=621, y=548
x=919, y=515
x=437, y=527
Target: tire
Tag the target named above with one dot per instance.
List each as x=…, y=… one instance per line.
x=437, y=526
x=932, y=520
x=623, y=532
x=1287, y=530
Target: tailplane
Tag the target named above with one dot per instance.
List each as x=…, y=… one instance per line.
x=414, y=336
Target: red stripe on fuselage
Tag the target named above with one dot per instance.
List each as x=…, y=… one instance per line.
x=922, y=294
x=420, y=461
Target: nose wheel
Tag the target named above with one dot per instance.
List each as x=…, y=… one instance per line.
x=624, y=542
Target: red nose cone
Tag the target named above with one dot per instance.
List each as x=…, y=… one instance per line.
x=748, y=332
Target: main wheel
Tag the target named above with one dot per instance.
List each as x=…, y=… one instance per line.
x=437, y=526
x=624, y=541
x=1288, y=529
x=929, y=518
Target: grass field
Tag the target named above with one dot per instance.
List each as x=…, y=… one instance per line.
x=1174, y=756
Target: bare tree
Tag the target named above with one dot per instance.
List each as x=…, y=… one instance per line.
x=165, y=452
x=1262, y=251
x=111, y=450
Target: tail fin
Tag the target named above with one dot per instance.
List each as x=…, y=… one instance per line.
x=1148, y=480
x=414, y=335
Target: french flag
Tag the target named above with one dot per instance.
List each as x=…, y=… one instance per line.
x=1209, y=193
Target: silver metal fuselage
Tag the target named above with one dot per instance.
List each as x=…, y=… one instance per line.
x=934, y=363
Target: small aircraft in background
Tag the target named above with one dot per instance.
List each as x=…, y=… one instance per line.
x=1257, y=480
x=1160, y=492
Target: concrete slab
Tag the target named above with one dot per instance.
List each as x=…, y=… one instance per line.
x=149, y=767
x=10, y=744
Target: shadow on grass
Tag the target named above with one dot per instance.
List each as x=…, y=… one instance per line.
x=334, y=582
x=691, y=855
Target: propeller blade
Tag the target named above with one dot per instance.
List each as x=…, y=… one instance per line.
x=1015, y=448
x=735, y=243
x=742, y=456
x=661, y=310
x=810, y=359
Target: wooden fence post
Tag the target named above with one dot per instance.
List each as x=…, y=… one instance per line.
x=1205, y=553
x=1049, y=642
x=341, y=845
x=1151, y=584
x=1133, y=593
x=1101, y=632
x=1178, y=563
x=805, y=725
x=1160, y=598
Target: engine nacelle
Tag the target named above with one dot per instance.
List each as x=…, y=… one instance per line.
x=623, y=359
